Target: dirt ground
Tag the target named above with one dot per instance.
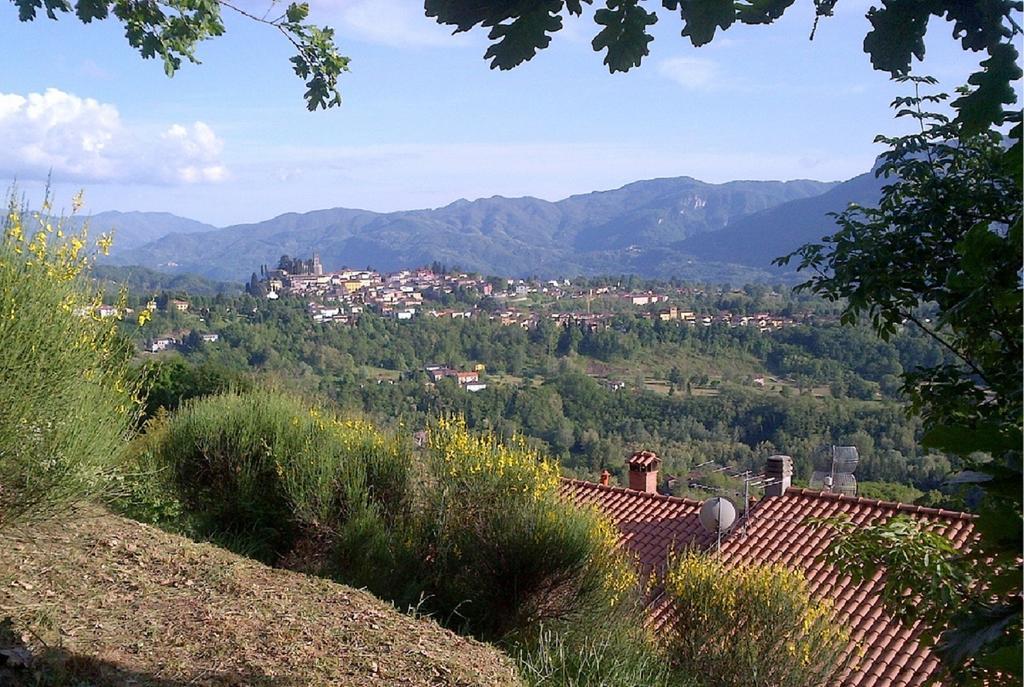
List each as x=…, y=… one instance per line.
x=103, y=601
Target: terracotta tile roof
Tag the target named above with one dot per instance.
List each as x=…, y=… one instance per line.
x=651, y=525
x=776, y=533
x=889, y=655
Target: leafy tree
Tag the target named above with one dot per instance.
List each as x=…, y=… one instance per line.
x=172, y=29
x=519, y=29
x=947, y=235
x=887, y=491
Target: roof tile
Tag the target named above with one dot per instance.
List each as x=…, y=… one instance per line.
x=887, y=653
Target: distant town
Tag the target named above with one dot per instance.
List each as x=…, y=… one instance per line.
x=342, y=296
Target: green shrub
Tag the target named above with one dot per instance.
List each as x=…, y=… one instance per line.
x=750, y=626
x=262, y=469
x=143, y=487
x=508, y=554
x=67, y=399
x=477, y=536
x=615, y=653
x=169, y=381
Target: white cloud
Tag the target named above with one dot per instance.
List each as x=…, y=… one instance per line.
x=197, y=152
x=394, y=23
x=692, y=73
x=84, y=140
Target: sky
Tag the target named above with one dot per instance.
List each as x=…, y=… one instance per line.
x=426, y=122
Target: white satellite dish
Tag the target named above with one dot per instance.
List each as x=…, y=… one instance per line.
x=717, y=514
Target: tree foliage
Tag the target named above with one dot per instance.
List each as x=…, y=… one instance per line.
x=947, y=236
x=172, y=30
x=519, y=29
x=952, y=599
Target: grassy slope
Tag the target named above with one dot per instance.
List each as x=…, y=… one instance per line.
x=121, y=603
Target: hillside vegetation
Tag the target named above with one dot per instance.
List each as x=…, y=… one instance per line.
x=606, y=232
x=104, y=601
x=691, y=394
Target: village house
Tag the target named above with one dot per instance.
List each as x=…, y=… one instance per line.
x=462, y=377
x=161, y=344
x=883, y=652
x=402, y=295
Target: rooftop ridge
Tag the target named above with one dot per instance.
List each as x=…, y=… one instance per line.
x=880, y=503
x=631, y=492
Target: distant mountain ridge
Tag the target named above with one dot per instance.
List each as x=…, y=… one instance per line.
x=133, y=229
x=762, y=236
x=662, y=227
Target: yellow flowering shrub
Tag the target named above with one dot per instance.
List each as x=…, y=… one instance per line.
x=468, y=458
x=749, y=625
x=507, y=552
x=69, y=399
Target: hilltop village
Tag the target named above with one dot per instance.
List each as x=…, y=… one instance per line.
x=342, y=296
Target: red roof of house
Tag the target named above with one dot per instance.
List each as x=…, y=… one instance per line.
x=651, y=525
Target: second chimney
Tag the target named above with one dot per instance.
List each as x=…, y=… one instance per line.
x=778, y=475
x=643, y=471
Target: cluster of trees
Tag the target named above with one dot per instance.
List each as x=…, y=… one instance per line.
x=376, y=368
x=819, y=354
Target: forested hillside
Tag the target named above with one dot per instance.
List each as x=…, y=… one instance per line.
x=605, y=232
x=691, y=393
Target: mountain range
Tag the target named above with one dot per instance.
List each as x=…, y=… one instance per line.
x=678, y=227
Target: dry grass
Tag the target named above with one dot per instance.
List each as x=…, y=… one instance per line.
x=104, y=601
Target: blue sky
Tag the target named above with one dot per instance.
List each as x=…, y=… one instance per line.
x=425, y=121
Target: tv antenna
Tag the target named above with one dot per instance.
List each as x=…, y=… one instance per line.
x=748, y=478
x=839, y=478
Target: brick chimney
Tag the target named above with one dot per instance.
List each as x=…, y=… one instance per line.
x=643, y=471
x=605, y=477
x=778, y=475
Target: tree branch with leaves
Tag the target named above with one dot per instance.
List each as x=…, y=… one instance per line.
x=942, y=252
x=518, y=30
x=171, y=30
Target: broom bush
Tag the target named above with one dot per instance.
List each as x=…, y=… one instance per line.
x=68, y=399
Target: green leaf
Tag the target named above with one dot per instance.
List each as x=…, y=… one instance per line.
x=897, y=34
x=762, y=11
x=87, y=10
x=519, y=40
x=297, y=12
x=701, y=18
x=625, y=36
x=982, y=107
